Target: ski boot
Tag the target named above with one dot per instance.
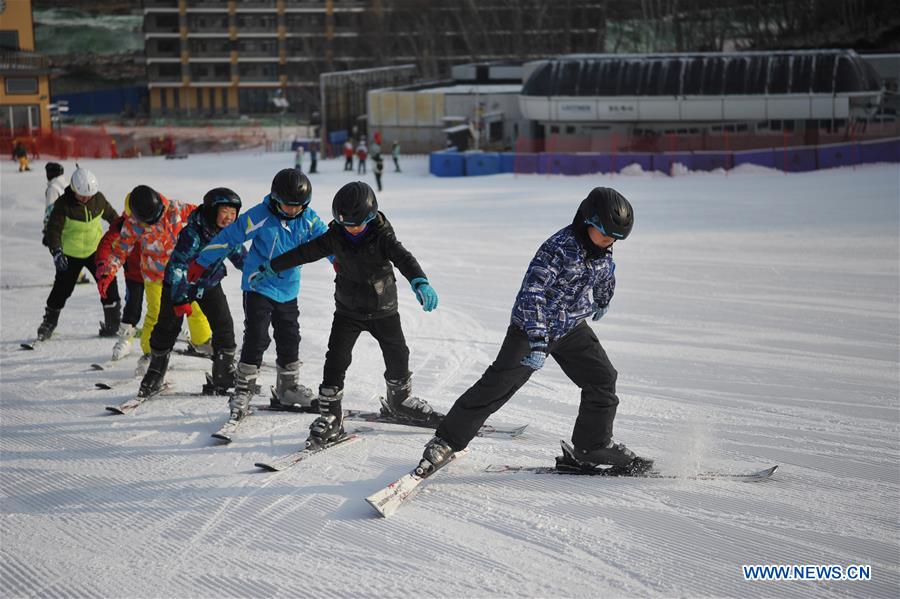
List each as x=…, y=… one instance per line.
x=288, y=394
x=123, y=345
x=403, y=406
x=244, y=389
x=436, y=455
x=223, y=374
x=328, y=427
x=153, y=381
x=112, y=318
x=51, y=319
x=616, y=456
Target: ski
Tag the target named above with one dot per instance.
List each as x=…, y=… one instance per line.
x=132, y=404
x=565, y=466
x=292, y=459
x=612, y=472
x=389, y=499
x=32, y=345
x=227, y=431
x=486, y=430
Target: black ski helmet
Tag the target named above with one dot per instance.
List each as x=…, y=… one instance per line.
x=220, y=196
x=354, y=204
x=292, y=188
x=608, y=211
x=54, y=170
x=145, y=204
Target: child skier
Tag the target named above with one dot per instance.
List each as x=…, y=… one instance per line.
x=73, y=233
x=280, y=222
x=181, y=297
x=56, y=186
x=570, y=278
x=154, y=225
x=364, y=246
x=134, y=284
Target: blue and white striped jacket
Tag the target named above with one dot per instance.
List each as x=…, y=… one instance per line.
x=561, y=288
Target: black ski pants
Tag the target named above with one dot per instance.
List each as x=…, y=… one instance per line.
x=581, y=358
x=134, y=302
x=214, y=305
x=284, y=317
x=345, y=330
x=65, y=280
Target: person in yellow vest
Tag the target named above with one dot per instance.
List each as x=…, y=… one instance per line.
x=73, y=234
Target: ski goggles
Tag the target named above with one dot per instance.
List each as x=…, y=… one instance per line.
x=278, y=199
x=369, y=218
x=594, y=221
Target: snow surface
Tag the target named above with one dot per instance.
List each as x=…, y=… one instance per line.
x=755, y=323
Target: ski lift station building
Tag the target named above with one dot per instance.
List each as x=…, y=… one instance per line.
x=582, y=96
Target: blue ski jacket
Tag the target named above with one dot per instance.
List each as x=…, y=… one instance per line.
x=270, y=236
x=561, y=287
x=193, y=237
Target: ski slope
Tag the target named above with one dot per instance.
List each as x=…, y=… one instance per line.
x=756, y=322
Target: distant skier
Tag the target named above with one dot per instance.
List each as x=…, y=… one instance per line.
x=378, y=170
x=20, y=154
x=361, y=154
x=348, y=155
x=154, y=225
x=181, y=296
x=280, y=222
x=313, y=156
x=571, y=277
x=395, y=153
x=366, y=251
x=298, y=159
x=73, y=234
x=134, y=284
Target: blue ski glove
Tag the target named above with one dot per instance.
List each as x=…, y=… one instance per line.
x=535, y=360
x=60, y=260
x=425, y=293
x=264, y=273
x=599, y=312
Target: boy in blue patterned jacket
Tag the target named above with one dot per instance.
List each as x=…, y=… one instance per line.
x=571, y=278
x=220, y=208
x=282, y=221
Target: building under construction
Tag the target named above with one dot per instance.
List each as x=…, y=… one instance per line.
x=224, y=57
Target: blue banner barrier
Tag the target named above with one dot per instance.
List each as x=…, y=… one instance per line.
x=482, y=163
x=447, y=164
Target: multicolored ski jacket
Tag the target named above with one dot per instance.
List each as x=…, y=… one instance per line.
x=561, y=288
x=193, y=238
x=271, y=236
x=156, y=241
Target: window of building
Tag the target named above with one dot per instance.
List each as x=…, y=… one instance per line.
x=21, y=85
x=9, y=39
x=19, y=117
x=554, y=129
x=167, y=23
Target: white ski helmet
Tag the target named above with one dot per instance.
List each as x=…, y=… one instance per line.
x=84, y=183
